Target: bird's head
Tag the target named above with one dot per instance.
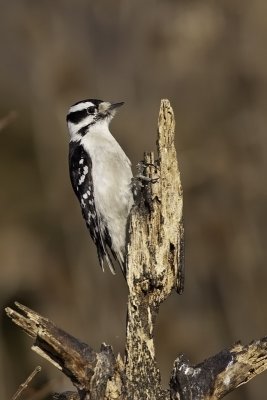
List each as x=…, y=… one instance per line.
x=90, y=113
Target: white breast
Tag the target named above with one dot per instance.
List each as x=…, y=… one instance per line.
x=111, y=174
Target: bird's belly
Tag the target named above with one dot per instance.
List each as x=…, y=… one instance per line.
x=113, y=197
x=111, y=175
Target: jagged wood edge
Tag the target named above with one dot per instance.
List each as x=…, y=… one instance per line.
x=154, y=258
x=215, y=377
x=212, y=379
x=89, y=371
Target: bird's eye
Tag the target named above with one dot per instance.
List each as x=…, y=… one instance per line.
x=91, y=110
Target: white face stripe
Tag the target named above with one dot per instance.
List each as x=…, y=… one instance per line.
x=90, y=119
x=81, y=106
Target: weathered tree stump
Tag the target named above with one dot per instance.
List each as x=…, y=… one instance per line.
x=155, y=267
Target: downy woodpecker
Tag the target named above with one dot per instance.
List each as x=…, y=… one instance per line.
x=101, y=177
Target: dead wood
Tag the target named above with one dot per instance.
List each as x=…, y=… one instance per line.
x=155, y=267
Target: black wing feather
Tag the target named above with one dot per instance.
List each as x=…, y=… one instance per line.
x=80, y=167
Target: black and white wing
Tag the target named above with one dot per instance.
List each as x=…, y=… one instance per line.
x=80, y=167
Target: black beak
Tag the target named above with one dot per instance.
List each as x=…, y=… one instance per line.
x=116, y=105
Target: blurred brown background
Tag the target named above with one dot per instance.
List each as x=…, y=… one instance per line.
x=210, y=59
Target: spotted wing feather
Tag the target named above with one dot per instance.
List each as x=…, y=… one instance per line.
x=80, y=167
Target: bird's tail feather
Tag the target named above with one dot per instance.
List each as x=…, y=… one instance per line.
x=104, y=255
